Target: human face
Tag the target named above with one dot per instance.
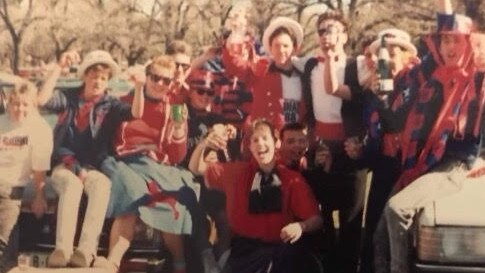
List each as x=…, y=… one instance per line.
x=294, y=144
x=95, y=82
x=331, y=35
x=262, y=147
x=282, y=48
x=182, y=62
x=20, y=107
x=159, y=81
x=453, y=48
x=201, y=98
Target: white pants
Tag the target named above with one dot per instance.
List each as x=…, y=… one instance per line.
x=70, y=188
x=401, y=208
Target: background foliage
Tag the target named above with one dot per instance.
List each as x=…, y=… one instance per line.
x=35, y=31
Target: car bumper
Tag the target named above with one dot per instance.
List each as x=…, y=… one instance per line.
x=434, y=268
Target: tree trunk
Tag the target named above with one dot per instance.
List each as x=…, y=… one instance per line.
x=15, y=55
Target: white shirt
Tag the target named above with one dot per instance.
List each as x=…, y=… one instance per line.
x=326, y=107
x=24, y=148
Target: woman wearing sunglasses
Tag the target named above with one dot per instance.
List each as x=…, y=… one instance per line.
x=144, y=182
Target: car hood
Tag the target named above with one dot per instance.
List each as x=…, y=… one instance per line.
x=463, y=208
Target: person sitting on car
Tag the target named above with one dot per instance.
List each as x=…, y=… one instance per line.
x=439, y=131
x=88, y=117
x=145, y=182
x=25, y=150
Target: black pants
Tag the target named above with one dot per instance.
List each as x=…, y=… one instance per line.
x=254, y=256
x=342, y=191
x=383, y=178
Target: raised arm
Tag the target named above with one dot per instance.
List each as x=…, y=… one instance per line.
x=215, y=141
x=330, y=80
x=67, y=59
x=444, y=6
x=137, y=76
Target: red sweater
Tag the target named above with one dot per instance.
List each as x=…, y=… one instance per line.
x=150, y=132
x=235, y=180
x=276, y=97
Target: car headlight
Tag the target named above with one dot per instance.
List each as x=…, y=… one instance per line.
x=450, y=244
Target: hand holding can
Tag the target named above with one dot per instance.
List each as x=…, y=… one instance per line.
x=176, y=111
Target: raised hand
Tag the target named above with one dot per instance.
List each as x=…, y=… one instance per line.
x=69, y=58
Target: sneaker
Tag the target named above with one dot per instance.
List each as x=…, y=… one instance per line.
x=102, y=262
x=79, y=259
x=57, y=259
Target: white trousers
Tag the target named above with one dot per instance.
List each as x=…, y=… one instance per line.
x=70, y=188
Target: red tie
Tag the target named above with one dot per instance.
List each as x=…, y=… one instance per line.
x=82, y=116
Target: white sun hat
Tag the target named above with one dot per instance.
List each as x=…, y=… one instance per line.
x=98, y=57
x=286, y=22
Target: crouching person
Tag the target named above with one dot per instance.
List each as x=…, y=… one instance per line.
x=25, y=149
x=269, y=206
x=88, y=117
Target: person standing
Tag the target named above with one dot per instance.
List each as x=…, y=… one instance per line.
x=334, y=113
x=274, y=82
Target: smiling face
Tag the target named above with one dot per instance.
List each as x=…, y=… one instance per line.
x=294, y=144
x=453, y=48
x=282, y=47
x=262, y=146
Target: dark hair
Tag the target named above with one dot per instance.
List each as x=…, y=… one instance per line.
x=294, y=126
x=99, y=67
x=283, y=30
x=333, y=15
x=178, y=47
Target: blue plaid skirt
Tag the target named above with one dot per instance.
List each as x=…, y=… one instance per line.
x=163, y=196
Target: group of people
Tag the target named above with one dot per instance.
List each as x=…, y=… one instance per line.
x=272, y=172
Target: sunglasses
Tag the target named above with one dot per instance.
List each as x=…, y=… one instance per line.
x=209, y=92
x=328, y=30
x=185, y=67
x=158, y=78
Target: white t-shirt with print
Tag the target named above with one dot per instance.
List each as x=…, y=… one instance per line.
x=24, y=148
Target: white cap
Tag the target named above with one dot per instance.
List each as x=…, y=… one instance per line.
x=289, y=23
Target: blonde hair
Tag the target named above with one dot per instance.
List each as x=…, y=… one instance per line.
x=161, y=62
x=24, y=89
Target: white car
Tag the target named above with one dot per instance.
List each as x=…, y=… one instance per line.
x=450, y=233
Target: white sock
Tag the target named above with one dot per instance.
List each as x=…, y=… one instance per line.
x=119, y=249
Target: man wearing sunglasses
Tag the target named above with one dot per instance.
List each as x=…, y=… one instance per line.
x=181, y=53
x=200, y=101
x=331, y=94
x=201, y=120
